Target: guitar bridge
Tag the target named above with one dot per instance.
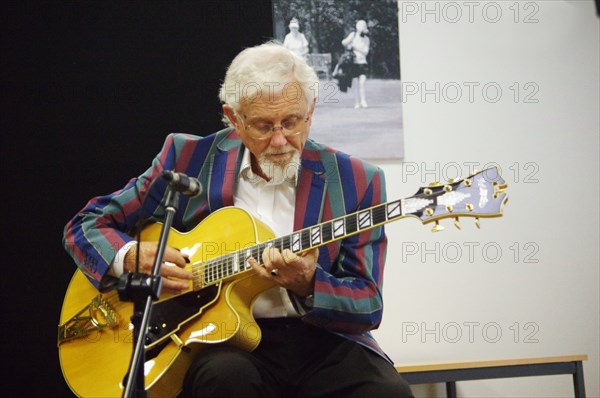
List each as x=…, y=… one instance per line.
x=97, y=315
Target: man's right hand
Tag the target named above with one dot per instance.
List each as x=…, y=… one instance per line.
x=175, y=277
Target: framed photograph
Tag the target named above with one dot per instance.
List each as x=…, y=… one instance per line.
x=353, y=46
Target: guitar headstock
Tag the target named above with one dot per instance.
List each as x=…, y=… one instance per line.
x=478, y=195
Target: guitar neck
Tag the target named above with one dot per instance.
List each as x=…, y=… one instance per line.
x=480, y=195
x=234, y=263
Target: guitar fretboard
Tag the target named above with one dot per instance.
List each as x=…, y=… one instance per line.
x=303, y=240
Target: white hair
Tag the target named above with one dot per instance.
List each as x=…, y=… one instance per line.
x=267, y=69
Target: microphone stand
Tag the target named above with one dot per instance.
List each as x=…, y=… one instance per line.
x=143, y=289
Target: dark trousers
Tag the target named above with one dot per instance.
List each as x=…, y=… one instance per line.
x=294, y=359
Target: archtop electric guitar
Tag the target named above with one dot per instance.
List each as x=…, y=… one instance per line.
x=95, y=333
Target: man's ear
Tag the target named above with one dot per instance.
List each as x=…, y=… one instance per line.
x=231, y=115
x=310, y=112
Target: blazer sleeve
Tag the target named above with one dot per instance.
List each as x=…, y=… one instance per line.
x=97, y=232
x=347, y=294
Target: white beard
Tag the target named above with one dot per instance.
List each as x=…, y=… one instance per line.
x=279, y=172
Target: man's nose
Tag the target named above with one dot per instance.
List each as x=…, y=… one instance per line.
x=278, y=139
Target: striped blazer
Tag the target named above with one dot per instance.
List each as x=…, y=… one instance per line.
x=349, y=275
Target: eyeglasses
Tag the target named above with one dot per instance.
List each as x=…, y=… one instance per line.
x=261, y=131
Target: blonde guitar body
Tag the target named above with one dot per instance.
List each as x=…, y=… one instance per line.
x=95, y=356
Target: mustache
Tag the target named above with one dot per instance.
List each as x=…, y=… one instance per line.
x=278, y=151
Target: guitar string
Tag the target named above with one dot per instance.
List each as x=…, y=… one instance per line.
x=225, y=259
x=228, y=264
x=223, y=266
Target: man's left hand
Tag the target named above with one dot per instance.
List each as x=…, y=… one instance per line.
x=291, y=271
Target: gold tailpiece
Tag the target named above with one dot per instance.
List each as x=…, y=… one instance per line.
x=100, y=315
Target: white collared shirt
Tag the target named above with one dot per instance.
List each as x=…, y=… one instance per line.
x=274, y=205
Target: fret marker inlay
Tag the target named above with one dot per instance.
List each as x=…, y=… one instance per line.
x=338, y=228
x=364, y=219
x=315, y=235
x=393, y=209
x=296, y=242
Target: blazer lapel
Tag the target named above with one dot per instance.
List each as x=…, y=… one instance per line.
x=310, y=189
x=225, y=164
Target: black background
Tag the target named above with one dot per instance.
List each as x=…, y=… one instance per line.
x=89, y=91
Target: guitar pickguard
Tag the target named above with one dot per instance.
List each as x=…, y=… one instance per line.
x=169, y=315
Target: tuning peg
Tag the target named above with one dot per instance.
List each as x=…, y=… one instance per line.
x=437, y=227
x=456, y=223
x=477, y=223
x=498, y=189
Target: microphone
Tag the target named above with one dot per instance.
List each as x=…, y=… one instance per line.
x=189, y=186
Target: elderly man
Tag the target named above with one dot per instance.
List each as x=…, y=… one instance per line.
x=321, y=303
